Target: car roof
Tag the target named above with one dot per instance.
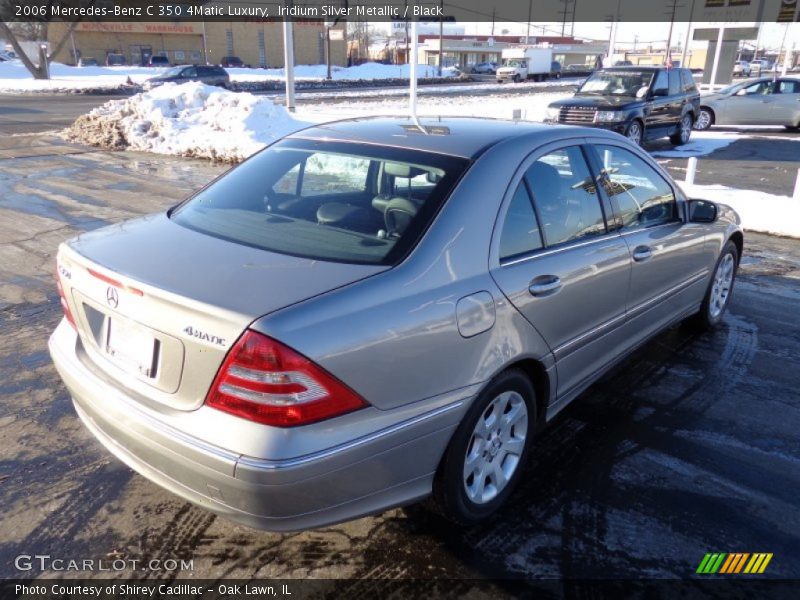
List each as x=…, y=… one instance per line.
x=467, y=137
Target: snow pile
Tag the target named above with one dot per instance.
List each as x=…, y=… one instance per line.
x=767, y=213
x=192, y=119
x=367, y=71
x=700, y=143
x=15, y=78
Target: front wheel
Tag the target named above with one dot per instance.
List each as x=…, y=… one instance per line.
x=488, y=452
x=720, y=289
x=704, y=119
x=635, y=132
x=680, y=137
x=517, y=78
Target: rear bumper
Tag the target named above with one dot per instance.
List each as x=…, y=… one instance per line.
x=390, y=467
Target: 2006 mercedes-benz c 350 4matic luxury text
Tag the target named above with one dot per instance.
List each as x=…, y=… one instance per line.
x=370, y=311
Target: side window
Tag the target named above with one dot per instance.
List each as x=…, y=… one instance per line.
x=661, y=84
x=674, y=82
x=789, y=87
x=287, y=184
x=565, y=197
x=642, y=197
x=334, y=174
x=520, y=233
x=688, y=81
x=760, y=87
x=190, y=72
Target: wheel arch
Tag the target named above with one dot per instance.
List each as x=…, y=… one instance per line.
x=710, y=111
x=738, y=239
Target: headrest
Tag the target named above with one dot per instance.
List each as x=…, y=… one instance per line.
x=402, y=170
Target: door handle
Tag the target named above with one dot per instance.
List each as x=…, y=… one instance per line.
x=642, y=253
x=545, y=285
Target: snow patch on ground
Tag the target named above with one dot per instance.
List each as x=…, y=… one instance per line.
x=759, y=211
x=700, y=144
x=15, y=78
x=192, y=119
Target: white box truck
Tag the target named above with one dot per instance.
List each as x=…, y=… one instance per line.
x=525, y=62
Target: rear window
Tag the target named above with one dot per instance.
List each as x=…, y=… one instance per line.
x=333, y=201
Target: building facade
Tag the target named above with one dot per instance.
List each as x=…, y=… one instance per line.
x=257, y=43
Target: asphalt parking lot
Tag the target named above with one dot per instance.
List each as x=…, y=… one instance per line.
x=688, y=447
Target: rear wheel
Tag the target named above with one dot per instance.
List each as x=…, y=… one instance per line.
x=635, y=133
x=488, y=452
x=705, y=119
x=684, y=132
x=720, y=289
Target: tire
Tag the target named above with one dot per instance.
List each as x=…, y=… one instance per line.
x=715, y=302
x=516, y=78
x=681, y=137
x=459, y=494
x=635, y=132
x=705, y=119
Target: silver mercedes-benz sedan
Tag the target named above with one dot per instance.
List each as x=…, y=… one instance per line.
x=372, y=311
x=765, y=101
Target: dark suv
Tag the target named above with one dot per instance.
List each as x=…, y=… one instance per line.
x=642, y=103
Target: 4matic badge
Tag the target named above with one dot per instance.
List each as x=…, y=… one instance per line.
x=202, y=335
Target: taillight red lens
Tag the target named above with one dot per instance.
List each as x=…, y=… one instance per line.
x=64, y=305
x=265, y=381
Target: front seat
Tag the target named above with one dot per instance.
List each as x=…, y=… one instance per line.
x=396, y=170
x=559, y=219
x=398, y=215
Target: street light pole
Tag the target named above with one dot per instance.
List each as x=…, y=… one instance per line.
x=288, y=61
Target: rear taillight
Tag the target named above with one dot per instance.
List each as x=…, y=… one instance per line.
x=265, y=381
x=63, y=298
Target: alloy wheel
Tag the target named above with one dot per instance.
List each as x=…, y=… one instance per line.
x=634, y=133
x=703, y=120
x=721, y=288
x=495, y=447
x=686, y=128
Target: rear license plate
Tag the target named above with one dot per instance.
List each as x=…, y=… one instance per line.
x=131, y=345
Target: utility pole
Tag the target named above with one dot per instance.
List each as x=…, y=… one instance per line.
x=668, y=55
x=688, y=34
x=441, y=35
x=328, y=25
x=528, y=32
x=493, y=14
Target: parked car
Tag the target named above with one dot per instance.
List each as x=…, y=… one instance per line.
x=157, y=61
x=764, y=101
x=741, y=68
x=6, y=55
x=484, y=67
x=232, y=61
x=115, y=60
x=641, y=103
x=86, y=61
x=208, y=74
x=387, y=325
x=761, y=65
x=576, y=69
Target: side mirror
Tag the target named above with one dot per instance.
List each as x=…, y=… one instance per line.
x=642, y=91
x=702, y=211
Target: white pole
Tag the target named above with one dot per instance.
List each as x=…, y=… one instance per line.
x=796, y=194
x=691, y=170
x=288, y=62
x=717, y=52
x=413, y=70
x=612, y=40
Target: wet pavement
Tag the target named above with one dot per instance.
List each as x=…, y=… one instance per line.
x=688, y=447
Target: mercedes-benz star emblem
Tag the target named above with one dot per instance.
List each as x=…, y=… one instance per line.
x=112, y=297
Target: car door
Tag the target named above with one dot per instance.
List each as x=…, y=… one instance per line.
x=670, y=264
x=189, y=73
x=785, y=107
x=750, y=105
x=557, y=263
x=658, y=116
x=677, y=99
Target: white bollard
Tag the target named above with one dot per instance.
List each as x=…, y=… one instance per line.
x=516, y=114
x=691, y=169
x=796, y=194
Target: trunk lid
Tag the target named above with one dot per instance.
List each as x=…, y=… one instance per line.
x=158, y=305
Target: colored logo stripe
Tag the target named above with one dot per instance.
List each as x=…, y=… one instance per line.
x=725, y=563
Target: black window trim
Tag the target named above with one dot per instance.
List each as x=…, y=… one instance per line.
x=677, y=195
